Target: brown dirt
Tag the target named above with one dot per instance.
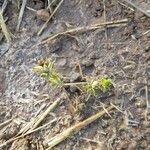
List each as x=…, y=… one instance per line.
x=122, y=57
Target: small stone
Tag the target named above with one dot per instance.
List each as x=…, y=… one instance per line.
x=43, y=14
x=61, y=62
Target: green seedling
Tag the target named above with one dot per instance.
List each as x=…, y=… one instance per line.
x=93, y=86
x=45, y=68
x=104, y=83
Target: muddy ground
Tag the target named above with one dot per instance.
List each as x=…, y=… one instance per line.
x=122, y=53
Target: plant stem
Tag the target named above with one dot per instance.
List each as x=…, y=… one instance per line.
x=75, y=83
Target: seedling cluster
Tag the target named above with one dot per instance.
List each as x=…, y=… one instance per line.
x=45, y=68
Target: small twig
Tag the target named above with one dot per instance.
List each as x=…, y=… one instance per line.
x=49, y=5
x=146, y=94
x=5, y=21
x=119, y=109
x=106, y=35
x=90, y=140
x=41, y=127
x=6, y=122
x=130, y=122
x=88, y=97
x=80, y=69
x=146, y=32
x=86, y=28
x=126, y=6
x=134, y=122
x=126, y=119
x=102, y=105
x=138, y=8
x=75, y=83
x=5, y=52
x=45, y=24
x=68, y=132
x=4, y=28
x=4, y=6
x=143, y=34
x=31, y=9
x=21, y=14
x=3, y=24
x=147, y=101
x=40, y=109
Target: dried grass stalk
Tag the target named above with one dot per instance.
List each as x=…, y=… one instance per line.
x=4, y=28
x=68, y=132
x=137, y=7
x=21, y=14
x=50, y=17
x=87, y=28
x=5, y=123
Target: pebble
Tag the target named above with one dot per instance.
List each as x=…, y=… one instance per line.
x=61, y=62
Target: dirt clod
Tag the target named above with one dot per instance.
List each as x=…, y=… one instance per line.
x=43, y=14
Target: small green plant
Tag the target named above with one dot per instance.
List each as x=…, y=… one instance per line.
x=45, y=68
x=104, y=83
x=93, y=86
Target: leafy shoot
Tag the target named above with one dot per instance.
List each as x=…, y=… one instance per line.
x=93, y=86
x=45, y=68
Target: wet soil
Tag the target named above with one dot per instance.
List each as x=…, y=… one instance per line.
x=121, y=53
